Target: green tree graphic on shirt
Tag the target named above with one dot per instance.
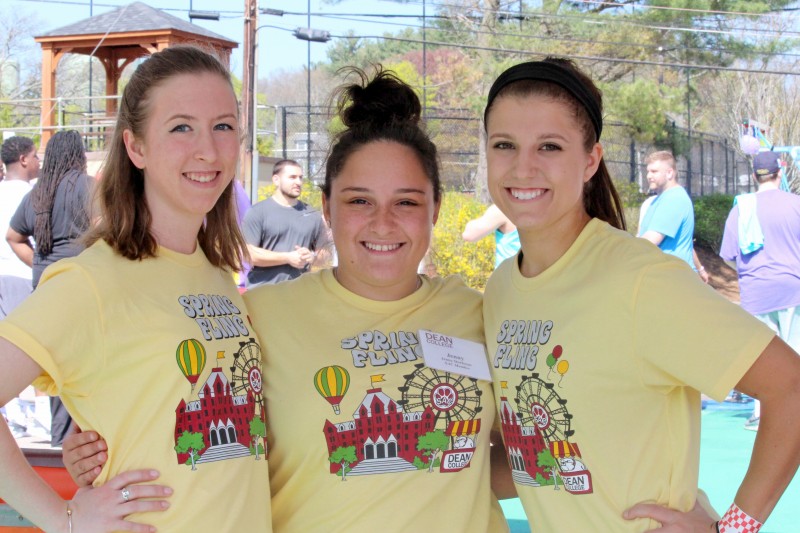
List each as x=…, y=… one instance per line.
x=545, y=459
x=191, y=443
x=344, y=456
x=258, y=429
x=431, y=443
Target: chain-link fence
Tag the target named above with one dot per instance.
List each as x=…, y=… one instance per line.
x=304, y=134
x=712, y=165
x=87, y=115
x=707, y=163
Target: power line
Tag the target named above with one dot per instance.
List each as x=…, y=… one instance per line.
x=617, y=4
x=672, y=8
x=571, y=39
x=514, y=14
x=529, y=15
x=596, y=19
x=781, y=10
x=533, y=15
x=349, y=17
x=688, y=66
x=229, y=13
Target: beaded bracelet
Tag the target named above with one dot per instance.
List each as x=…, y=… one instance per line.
x=737, y=521
x=69, y=518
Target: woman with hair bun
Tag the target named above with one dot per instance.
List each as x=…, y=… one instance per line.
x=606, y=412
x=365, y=435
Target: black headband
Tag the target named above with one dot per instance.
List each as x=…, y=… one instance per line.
x=553, y=73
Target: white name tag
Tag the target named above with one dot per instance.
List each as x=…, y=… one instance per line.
x=455, y=355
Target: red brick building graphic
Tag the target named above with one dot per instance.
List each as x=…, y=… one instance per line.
x=523, y=444
x=220, y=416
x=380, y=432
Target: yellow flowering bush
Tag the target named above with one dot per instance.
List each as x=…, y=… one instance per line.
x=473, y=261
x=450, y=254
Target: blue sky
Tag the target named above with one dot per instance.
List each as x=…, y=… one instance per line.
x=278, y=48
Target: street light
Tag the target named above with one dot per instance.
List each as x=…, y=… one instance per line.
x=204, y=15
x=312, y=36
x=304, y=34
x=309, y=34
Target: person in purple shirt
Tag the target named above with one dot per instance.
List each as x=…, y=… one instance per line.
x=242, y=206
x=762, y=236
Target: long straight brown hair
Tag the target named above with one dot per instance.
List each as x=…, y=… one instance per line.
x=125, y=217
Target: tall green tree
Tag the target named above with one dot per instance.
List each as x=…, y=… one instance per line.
x=655, y=59
x=496, y=33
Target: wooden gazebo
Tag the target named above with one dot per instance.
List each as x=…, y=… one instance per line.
x=117, y=38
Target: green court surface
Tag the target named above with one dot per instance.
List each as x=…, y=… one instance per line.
x=725, y=448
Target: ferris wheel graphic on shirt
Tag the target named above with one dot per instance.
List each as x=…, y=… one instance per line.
x=537, y=428
x=224, y=417
x=432, y=426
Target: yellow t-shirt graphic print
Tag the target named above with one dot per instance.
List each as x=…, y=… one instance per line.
x=224, y=417
x=361, y=432
x=429, y=422
x=163, y=363
x=598, y=400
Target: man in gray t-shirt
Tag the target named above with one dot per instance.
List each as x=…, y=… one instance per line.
x=283, y=234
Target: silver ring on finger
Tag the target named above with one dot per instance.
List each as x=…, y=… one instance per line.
x=126, y=494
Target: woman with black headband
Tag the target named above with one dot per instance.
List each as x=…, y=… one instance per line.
x=599, y=343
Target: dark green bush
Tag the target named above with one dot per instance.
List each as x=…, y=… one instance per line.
x=710, y=213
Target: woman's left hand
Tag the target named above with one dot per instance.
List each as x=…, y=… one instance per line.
x=106, y=508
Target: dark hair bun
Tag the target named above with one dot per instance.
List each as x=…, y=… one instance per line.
x=384, y=99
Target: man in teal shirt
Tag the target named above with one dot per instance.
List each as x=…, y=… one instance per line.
x=669, y=221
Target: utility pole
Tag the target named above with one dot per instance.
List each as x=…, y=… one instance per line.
x=91, y=14
x=308, y=97
x=424, y=61
x=248, y=94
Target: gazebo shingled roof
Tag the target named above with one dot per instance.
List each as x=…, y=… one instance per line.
x=117, y=38
x=133, y=17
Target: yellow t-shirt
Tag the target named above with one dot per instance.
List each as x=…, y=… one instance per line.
x=363, y=436
x=158, y=356
x=597, y=363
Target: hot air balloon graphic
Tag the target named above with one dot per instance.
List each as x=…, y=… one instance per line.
x=191, y=358
x=331, y=383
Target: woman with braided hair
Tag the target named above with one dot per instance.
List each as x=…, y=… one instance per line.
x=56, y=212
